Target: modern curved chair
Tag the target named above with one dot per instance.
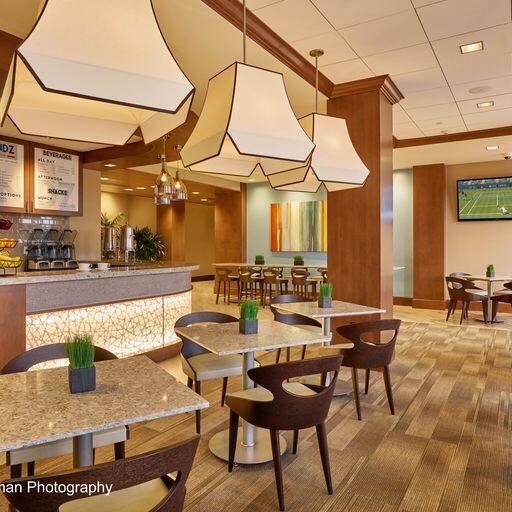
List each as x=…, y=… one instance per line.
x=465, y=291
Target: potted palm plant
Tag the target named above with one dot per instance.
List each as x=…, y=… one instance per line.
x=81, y=369
x=259, y=259
x=490, y=271
x=325, y=296
x=248, y=323
x=298, y=260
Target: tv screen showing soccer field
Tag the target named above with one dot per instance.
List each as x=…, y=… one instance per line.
x=485, y=199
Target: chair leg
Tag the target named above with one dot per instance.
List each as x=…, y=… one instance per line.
x=303, y=355
x=218, y=292
x=463, y=313
x=367, y=381
x=295, y=441
x=324, y=454
x=224, y=390
x=484, y=310
x=494, y=310
x=16, y=471
x=288, y=354
x=31, y=468
x=190, y=382
x=389, y=391
x=120, y=450
x=355, y=385
x=197, y=386
x=276, y=453
x=233, y=434
x=278, y=355
x=450, y=306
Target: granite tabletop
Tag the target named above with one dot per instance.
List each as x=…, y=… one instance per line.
x=339, y=308
x=483, y=277
x=37, y=407
x=51, y=276
x=225, y=339
x=269, y=265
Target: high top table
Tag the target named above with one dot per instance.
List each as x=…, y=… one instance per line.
x=338, y=309
x=490, y=288
x=224, y=339
x=38, y=408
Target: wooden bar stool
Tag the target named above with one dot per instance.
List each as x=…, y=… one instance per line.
x=273, y=285
x=224, y=278
x=248, y=283
x=301, y=283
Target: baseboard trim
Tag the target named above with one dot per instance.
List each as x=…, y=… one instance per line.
x=402, y=301
x=428, y=304
x=209, y=277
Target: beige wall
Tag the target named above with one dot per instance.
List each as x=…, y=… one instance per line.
x=138, y=211
x=200, y=237
x=471, y=246
x=88, y=240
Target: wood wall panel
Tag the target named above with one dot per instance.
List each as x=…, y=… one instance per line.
x=12, y=322
x=170, y=223
x=429, y=213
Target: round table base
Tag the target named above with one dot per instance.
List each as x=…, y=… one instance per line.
x=490, y=323
x=257, y=454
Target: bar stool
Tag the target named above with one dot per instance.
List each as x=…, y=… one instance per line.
x=225, y=278
x=301, y=283
x=248, y=282
x=272, y=285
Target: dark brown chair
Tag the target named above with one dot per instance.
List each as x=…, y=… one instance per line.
x=366, y=355
x=278, y=405
x=43, y=354
x=452, y=306
x=140, y=483
x=504, y=296
x=465, y=291
x=200, y=364
x=293, y=319
x=224, y=279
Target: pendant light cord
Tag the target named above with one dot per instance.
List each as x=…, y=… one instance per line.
x=245, y=32
x=316, y=84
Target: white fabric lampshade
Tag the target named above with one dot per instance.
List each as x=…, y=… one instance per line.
x=95, y=71
x=246, y=121
x=334, y=162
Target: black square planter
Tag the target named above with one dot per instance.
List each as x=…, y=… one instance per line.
x=490, y=274
x=325, y=302
x=248, y=326
x=82, y=380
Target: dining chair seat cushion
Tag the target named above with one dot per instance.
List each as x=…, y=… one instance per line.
x=64, y=446
x=142, y=497
x=211, y=366
x=261, y=394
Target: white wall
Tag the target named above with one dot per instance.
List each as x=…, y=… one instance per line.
x=139, y=211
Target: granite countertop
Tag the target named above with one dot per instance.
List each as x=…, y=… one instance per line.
x=225, y=339
x=75, y=275
x=37, y=406
x=339, y=308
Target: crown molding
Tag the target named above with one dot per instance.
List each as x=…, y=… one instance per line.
x=382, y=83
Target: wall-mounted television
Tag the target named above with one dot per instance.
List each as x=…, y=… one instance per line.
x=484, y=199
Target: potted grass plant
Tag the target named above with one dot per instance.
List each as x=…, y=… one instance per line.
x=325, y=296
x=298, y=260
x=81, y=369
x=259, y=259
x=248, y=323
x=490, y=271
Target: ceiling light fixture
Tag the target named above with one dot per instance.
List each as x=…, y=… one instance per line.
x=334, y=162
x=180, y=189
x=104, y=179
x=246, y=121
x=140, y=188
x=485, y=104
x=163, y=186
x=492, y=148
x=204, y=200
x=109, y=165
x=196, y=193
x=472, y=47
x=68, y=80
x=129, y=189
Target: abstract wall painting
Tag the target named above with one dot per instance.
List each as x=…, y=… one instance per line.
x=298, y=226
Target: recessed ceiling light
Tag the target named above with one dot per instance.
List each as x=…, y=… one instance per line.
x=251, y=179
x=104, y=179
x=109, y=165
x=204, y=199
x=484, y=104
x=196, y=193
x=472, y=47
x=480, y=89
x=492, y=148
x=140, y=188
x=129, y=189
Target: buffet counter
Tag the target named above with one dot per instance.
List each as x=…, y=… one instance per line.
x=127, y=310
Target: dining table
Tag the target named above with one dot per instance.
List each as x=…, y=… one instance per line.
x=489, y=280
x=38, y=407
x=338, y=309
x=225, y=339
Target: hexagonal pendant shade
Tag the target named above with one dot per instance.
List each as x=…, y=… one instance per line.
x=95, y=71
x=246, y=121
x=334, y=162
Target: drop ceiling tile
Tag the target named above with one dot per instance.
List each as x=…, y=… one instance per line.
x=253, y=5
x=440, y=123
x=404, y=60
x=452, y=17
x=494, y=118
x=493, y=61
x=335, y=47
x=407, y=131
x=347, y=71
x=500, y=102
x=352, y=12
x=421, y=3
x=445, y=131
x=433, y=112
x=428, y=98
x=482, y=88
x=419, y=80
x=385, y=34
x=294, y=19
x=399, y=115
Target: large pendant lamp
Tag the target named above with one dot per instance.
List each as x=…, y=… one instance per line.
x=334, y=162
x=246, y=121
x=180, y=192
x=164, y=185
x=96, y=71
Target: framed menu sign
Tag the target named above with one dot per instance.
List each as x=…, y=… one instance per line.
x=57, y=181
x=12, y=176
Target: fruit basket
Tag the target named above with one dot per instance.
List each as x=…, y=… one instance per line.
x=8, y=243
x=12, y=266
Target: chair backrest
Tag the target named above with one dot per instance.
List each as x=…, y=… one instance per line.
x=508, y=285
x=223, y=274
x=286, y=410
x=121, y=474
x=291, y=318
x=245, y=275
x=457, y=274
x=45, y=353
x=460, y=288
x=270, y=276
x=189, y=348
x=299, y=276
x=366, y=354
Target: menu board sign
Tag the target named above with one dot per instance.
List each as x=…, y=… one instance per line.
x=56, y=180
x=12, y=175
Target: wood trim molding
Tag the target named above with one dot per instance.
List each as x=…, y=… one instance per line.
x=384, y=83
x=452, y=137
x=428, y=304
x=402, y=301
x=264, y=36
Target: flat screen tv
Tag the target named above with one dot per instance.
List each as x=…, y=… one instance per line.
x=484, y=199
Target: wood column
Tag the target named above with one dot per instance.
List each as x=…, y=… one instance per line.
x=12, y=322
x=360, y=220
x=429, y=213
x=170, y=222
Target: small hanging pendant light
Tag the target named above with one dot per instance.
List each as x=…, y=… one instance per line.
x=334, y=162
x=179, y=188
x=164, y=186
